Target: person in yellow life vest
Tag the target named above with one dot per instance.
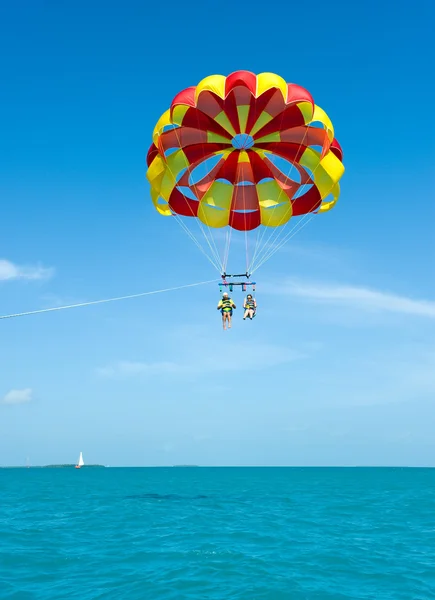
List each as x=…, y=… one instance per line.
x=250, y=306
x=226, y=306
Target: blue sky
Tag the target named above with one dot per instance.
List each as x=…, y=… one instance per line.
x=339, y=365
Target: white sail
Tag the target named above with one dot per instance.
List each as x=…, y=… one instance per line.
x=81, y=461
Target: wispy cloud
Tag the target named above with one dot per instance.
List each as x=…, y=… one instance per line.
x=359, y=297
x=17, y=396
x=409, y=375
x=196, y=360
x=380, y=374
x=125, y=368
x=10, y=271
x=312, y=251
x=53, y=300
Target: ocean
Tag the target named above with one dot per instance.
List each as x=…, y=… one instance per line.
x=217, y=533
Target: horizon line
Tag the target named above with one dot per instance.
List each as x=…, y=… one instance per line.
x=361, y=466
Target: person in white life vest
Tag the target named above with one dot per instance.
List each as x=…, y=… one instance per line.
x=250, y=306
x=226, y=306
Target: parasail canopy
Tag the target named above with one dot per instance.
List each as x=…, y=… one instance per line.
x=244, y=152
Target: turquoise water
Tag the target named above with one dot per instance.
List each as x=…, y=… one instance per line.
x=229, y=533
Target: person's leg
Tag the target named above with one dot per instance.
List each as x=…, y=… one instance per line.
x=251, y=313
x=224, y=317
x=246, y=313
x=229, y=318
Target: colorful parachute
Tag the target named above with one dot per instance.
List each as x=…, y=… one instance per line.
x=244, y=151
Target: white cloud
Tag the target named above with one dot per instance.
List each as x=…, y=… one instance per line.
x=10, y=271
x=17, y=396
x=359, y=297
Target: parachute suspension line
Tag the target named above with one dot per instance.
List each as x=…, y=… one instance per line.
x=245, y=220
x=212, y=258
x=255, y=249
x=267, y=253
x=290, y=234
x=268, y=249
x=196, y=242
x=262, y=252
x=212, y=245
x=247, y=251
x=263, y=247
x=67, y=306
x=227, y=249
x=191, y=235
x=260, y=247
x=214, y=253
x=229, y=232
x=270, y=241
x=225, y=258
x=240, y=182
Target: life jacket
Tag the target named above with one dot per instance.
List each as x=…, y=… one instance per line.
x=250, y=303
x=226, y=304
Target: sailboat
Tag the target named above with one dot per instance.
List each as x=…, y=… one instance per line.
x=81, y=461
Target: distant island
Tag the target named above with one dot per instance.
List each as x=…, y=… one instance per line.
x=71, y=466
x=185, y=466
x=65, y=466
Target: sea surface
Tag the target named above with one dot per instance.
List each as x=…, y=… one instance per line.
x=217, y=533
